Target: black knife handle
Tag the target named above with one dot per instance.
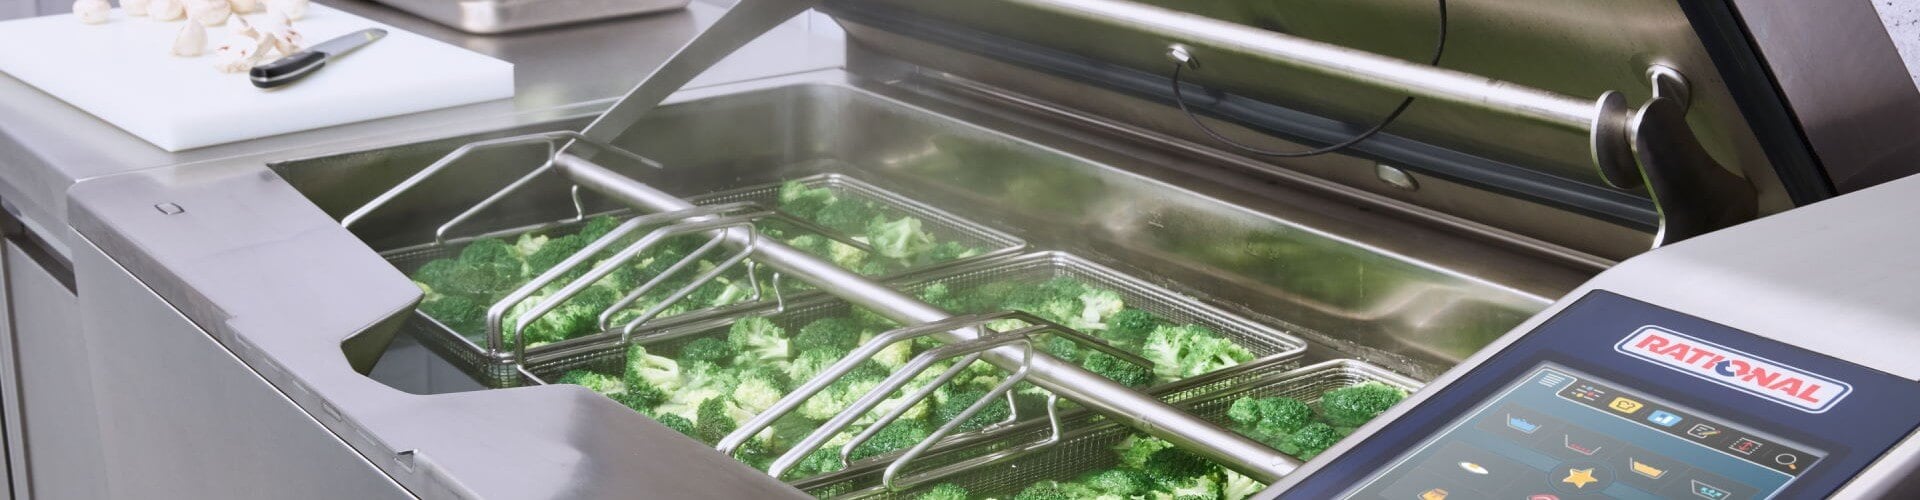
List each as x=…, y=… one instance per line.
x=287, y=69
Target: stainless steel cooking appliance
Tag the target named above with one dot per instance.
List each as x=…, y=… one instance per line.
x=1482, y=158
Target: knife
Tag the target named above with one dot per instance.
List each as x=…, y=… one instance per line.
x=294, y=67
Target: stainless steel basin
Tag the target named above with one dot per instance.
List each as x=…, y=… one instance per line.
x=1361, y=283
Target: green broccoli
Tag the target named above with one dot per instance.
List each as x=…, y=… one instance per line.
x=942, y=296
x=700, y=381
x=899, y=435
x=837, y=333
x=899, y=239
x=804, y=202
x=1193, y=488
x=712, y=420
x=677, y=423
x=529, y=244
x=958, y=401
x=843, y=393
x=813, y=244
x=1271, y=418
x=1121, y=482
x=1119, y=370
x=1184, y=351
x=491, y=252
x=759, y=389
x=758, y=340
x=640, y=395
x=819, y=462
x=946, y=251
x=1309, y=441
x=597, y=227
x=603, y=384
x=1172, y=465
x=555, y=251
x=944, y=491
x=894, y=356
x=1238, y=487
x=1136, y=448
x=708, y=349
x=847, y=215
x=1355, y=405
x=1130, y=327
x=648, y=370
x=811, y=362
x=461, y=313
x=1061, y=347
x=1044, y=490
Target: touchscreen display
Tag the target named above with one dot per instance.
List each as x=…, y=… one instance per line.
x=1562, y=434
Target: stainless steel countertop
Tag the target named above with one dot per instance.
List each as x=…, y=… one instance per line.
x=46, y=145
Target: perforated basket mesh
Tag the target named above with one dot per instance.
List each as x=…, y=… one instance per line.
x=1271, y=347
x=1089, y=439
x=471, y=355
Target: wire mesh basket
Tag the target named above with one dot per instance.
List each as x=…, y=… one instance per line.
x=496, y=369
x=1090, y=438
x=1271, y=346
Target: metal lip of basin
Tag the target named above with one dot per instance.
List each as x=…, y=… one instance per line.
x=259, y=259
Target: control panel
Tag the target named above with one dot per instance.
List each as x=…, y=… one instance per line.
x=1618, y=398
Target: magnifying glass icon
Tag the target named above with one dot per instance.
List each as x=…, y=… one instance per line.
x=1788, y=459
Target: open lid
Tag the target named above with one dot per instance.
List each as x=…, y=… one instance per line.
x=1650, y=116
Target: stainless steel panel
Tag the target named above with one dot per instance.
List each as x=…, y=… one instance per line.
x=59, y=416
x=12, y=439
x=498, y=16
x=181, y=417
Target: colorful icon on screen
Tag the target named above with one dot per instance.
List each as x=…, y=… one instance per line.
x=1624, y=405
x=1521, y=424
x=1663, y=419
x=1588, y=393
x=1788, y=460
x=1580, y=478
x=1642, y=468
x=1703, y=431
x=1434, y=494
x=1744, y=446
x=1543, y=496
x=1473, y=468
x=1582, y=449
x=1708, y=491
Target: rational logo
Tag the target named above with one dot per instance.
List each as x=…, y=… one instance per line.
x=1744, y=372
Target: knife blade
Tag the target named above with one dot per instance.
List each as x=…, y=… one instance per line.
x=300, y=64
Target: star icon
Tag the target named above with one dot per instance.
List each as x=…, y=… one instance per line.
x=1580, y=478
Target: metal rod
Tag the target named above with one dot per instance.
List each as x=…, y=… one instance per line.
x=1065, y=379
x=1358, y=66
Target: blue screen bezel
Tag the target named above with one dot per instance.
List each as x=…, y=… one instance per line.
x=1882, y=410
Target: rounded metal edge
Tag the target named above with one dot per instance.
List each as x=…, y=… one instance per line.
x=1609, y=138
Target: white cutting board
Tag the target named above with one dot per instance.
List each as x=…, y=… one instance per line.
x=123, y=72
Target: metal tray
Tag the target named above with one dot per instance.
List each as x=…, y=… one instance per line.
x=1270, y=346
x=1089, y=438
x=497, y=369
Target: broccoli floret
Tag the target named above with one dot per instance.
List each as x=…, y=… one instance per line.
x=1184, y=351
x=1098, y=305
x=650, y=370
x=1122, y=482
x=873, y=268
x=839, y=334
x=436, y=273
x=899, y=239
x=1174, y=465
x=677, y=423
x=554, y=251
x=482, y=279
x=846, y=256
x=529, y=243
x=1237, y=487
x=812, y=362
x=462, y=314
x=758, y=390
x=847, y=215
x=757, y=340
x=804, y=202
x=1130, y=327
x=945, y=491
x=819, y=462
x=947, y=251
x=1136, y=448
x=491, y=252
x=597, y=227
x=899, y=435
x=640, y=395
x=942, y=296
x=1045, y=490
x=1309, y=441
x=708, y=349
x=843, y=393
x=958, y=401
x=1202, y=487
x=1355, y=405
x=700, y=382
x=603, y=384
x=816, y=245
x=1119, y=370
x=712, y=420
x=1061, y=347
x=873, y=321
